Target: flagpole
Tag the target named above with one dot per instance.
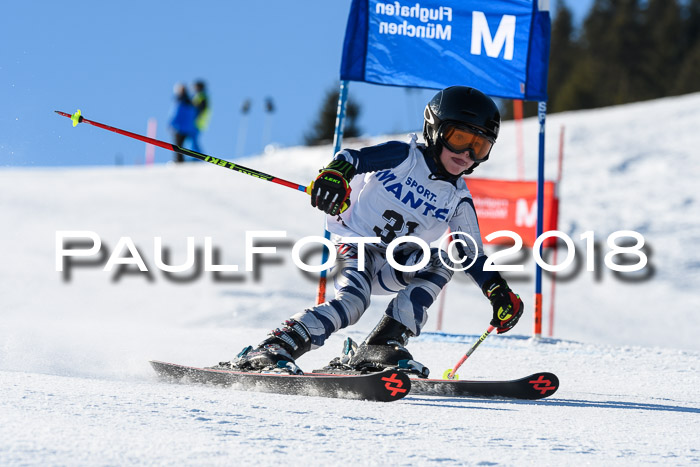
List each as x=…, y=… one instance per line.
x=337, y=142
x=541, y=117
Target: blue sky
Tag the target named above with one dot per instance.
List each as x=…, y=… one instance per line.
x=118, y=62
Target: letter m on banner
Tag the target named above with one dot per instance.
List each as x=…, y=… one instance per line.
x=500, y=47
x=505, y=36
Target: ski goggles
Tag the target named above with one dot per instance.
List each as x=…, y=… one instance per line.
x=462, y=138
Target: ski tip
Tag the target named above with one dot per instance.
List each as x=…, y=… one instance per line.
x=543, y=384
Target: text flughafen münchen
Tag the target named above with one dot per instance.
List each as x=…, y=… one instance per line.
x=431, y=17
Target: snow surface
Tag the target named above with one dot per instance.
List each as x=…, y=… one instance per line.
x=76, y=388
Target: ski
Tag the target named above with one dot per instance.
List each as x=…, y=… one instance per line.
x=384, y=386
x=535, y=386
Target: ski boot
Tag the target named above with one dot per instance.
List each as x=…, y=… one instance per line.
x=276, y=353
x=383, y=348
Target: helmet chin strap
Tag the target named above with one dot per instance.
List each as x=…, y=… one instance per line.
x=473, y=166
x=470, y=169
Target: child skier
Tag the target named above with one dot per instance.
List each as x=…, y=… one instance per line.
x=398, y=189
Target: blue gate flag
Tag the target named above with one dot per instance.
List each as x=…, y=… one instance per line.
x=500, y=47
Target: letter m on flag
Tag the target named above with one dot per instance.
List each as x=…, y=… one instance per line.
x=504, y=38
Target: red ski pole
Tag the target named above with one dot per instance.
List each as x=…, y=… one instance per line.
x=452, y=374
x=77, y=118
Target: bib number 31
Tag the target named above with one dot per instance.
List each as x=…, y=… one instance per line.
x=394, y=225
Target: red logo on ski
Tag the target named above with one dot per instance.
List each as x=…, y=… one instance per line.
x=393, y=384
x=543, y=385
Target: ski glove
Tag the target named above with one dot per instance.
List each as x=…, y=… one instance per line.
x=507, y=306
x=331, y=189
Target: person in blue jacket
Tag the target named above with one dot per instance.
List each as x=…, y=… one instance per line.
x=182, y=121
x=388, y=191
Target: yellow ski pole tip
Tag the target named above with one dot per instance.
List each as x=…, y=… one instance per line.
x=76, y=118
x=447, y=373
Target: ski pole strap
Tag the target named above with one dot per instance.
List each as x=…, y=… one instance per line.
x=451, y=374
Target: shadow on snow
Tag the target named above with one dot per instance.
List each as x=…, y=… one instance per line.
x=468, y=403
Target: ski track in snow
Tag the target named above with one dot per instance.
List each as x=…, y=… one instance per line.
x=76, y=388
x=610, y=409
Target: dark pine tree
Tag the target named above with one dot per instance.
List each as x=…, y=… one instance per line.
x=665, y=44
x=688, y=78
x=323, y=128
x=563, y=53
x=608, y=70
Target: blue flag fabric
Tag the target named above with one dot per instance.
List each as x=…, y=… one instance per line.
x=500, y=47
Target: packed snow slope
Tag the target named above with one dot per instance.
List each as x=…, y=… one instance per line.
x=76, y=388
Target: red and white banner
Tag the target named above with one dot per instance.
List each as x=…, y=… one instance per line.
x=512, y=205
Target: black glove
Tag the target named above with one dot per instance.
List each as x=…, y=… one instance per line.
x=507, y=306
x=331, y=189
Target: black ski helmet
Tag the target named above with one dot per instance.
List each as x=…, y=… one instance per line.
x=462, y=105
